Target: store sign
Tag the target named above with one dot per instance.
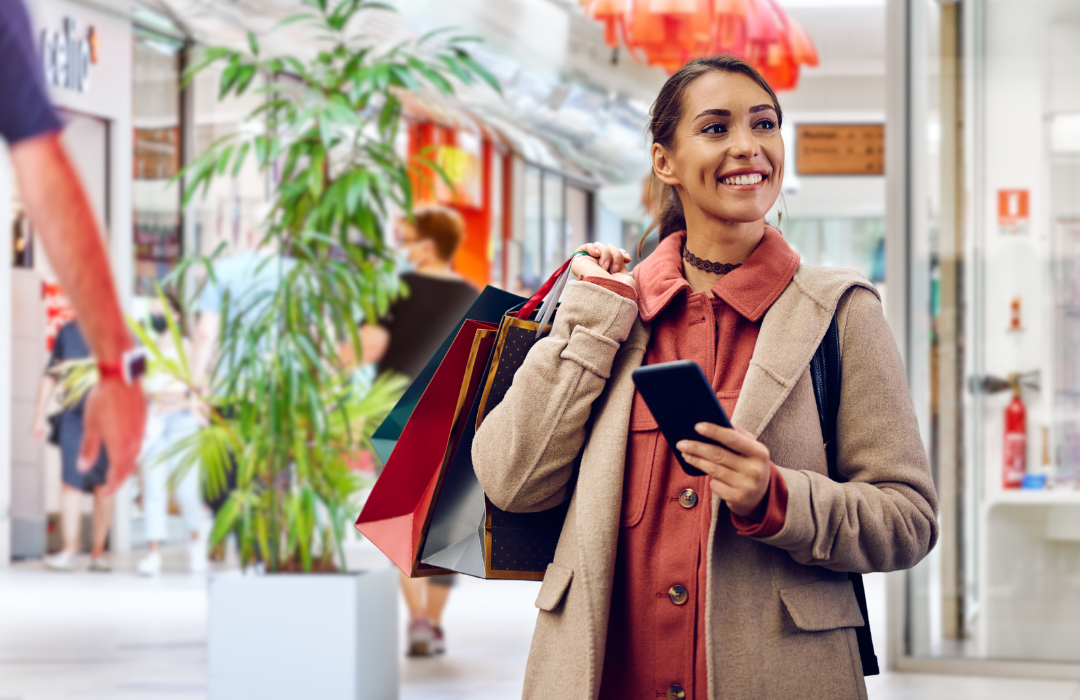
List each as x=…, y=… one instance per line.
x=840, y=149
x=67, y=56
x=461, y=165
x=1013, y=217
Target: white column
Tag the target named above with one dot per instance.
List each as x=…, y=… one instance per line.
x=897, y=202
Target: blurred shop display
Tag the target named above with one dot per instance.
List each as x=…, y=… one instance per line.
x=668, y=33
x=156, y=218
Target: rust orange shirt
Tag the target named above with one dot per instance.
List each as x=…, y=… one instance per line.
x=656, y=630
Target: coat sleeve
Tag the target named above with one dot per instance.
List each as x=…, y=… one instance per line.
x=884, y=518
x=525, y=450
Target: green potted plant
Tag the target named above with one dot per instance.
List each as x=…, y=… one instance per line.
x=286, y=410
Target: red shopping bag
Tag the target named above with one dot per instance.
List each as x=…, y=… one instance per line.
x=397, y=512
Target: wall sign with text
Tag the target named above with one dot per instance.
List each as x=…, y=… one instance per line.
x=840, y=149
x=66, y=56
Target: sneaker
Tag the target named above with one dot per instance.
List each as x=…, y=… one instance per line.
x=421, y=638
x=438, y=644
x=150, y=565
x=100, y=565
x=61, y=561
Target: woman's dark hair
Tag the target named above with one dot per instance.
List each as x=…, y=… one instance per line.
x=666, y=112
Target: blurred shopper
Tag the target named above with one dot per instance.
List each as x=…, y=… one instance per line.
x=658, y=589
x=403, y=342
x=60, y=211
x=243, y=281
x=172, y=418
x=68, y=428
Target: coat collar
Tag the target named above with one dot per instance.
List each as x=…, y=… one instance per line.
x=750, y=290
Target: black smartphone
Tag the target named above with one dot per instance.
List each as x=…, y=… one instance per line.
x=679, y=397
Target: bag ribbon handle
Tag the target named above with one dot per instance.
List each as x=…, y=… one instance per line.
x=549, y=293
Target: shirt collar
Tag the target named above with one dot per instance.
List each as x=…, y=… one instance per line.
x=750, y=289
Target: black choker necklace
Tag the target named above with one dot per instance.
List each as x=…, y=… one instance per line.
x=707, y=265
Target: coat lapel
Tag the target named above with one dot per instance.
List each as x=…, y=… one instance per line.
x=790, y=333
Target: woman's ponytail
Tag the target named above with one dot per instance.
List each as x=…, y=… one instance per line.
x=669, y=213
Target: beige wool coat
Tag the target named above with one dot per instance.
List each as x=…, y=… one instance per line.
x=781, y=612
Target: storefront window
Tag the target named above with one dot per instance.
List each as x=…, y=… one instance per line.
x=157, y=157
x=858, y=243
x=230, y=215
x=995, y=283
x=532, y=262
x=554, y=223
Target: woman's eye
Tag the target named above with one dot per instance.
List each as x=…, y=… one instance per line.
x=714, y=129
x=768, y=124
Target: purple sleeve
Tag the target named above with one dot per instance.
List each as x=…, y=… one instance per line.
x=26, y=110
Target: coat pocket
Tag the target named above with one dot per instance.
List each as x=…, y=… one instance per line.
x=823, y=605
x=640, y=456
x=556, y=581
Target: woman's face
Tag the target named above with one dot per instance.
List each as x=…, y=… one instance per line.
x=728, y=156
x=417, y=249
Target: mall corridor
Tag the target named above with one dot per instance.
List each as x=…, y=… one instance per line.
x=85, y=636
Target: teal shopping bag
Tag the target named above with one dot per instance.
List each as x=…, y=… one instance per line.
x=489, y=307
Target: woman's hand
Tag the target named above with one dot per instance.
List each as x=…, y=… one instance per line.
x=603, y=261
x=739, y=466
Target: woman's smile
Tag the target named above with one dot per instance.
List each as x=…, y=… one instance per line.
x=744, y=179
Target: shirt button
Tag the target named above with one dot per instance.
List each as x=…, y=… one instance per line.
x=675, y=692
x=688, y=499
x=678, y=594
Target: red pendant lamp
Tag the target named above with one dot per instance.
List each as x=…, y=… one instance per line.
x=668, y=33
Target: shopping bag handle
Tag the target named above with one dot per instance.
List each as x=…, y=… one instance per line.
x=558, y=276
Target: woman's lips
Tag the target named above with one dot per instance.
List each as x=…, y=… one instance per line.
x=744, y=183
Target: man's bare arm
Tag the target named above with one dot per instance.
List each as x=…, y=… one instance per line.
x=60, y=211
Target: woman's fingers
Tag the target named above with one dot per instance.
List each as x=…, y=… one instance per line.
x=736, y=440
x=607, y=257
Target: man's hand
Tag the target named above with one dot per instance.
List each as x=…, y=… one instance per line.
x=40, y=431
x=115, y=414
x=739, y=465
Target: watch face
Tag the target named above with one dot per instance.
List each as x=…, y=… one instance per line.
x=137, y=366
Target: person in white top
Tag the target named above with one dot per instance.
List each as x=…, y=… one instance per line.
x=172, y=418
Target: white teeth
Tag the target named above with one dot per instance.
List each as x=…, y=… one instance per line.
x=743, y=179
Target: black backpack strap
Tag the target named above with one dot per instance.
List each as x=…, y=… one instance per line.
x=825, y=374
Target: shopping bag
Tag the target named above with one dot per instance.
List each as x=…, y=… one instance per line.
x=468, y=534
x=398, y=510
x=455, y=536
x=488, y=307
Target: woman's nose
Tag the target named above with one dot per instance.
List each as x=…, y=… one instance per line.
x=743, y=143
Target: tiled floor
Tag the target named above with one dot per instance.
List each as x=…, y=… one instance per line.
x=118, y=637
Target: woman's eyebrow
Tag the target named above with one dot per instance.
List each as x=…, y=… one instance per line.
x=715, y=113
x=727, y=113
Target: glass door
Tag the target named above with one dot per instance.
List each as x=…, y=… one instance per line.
x=995, y=284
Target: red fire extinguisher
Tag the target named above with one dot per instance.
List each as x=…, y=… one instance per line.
x=1015, y=449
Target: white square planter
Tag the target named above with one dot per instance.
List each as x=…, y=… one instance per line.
x=295, y=636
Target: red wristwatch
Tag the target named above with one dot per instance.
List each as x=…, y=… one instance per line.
x=130, y=368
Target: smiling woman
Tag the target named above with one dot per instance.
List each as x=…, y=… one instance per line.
x=656, y=590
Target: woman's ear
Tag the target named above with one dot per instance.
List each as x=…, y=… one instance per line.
x=662, y=166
